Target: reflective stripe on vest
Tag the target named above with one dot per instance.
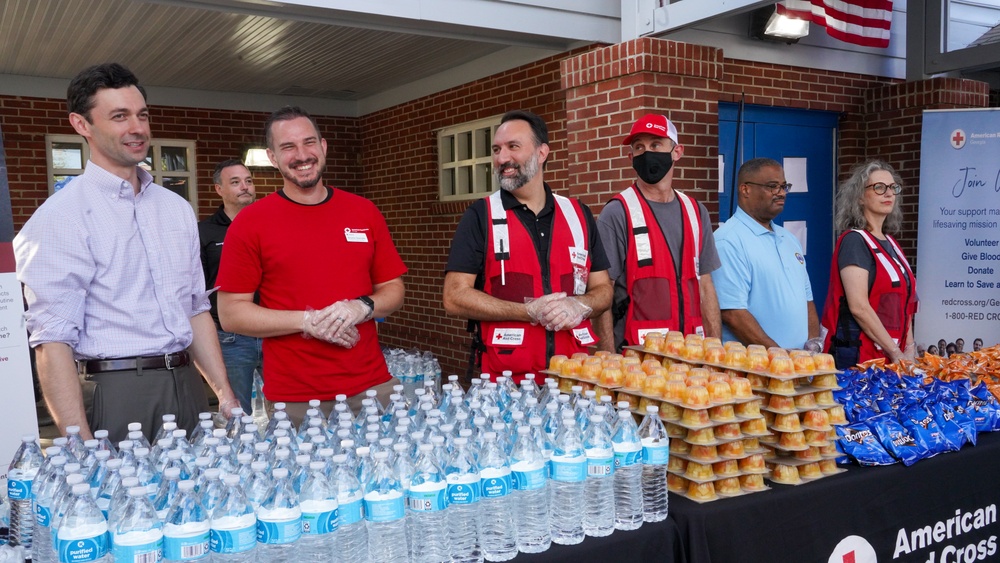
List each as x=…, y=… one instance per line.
x=882, y=258
x=501, y=236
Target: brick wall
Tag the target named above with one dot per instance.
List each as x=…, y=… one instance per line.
x=219, y=134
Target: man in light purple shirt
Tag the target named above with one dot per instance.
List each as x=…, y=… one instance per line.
x=112, y=275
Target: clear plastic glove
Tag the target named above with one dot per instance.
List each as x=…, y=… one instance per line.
x=536, y=306
x=910, y=352
x=342, y=315
x=813, y=345
x=226, y=406
x=327, y=326
x=562, y=314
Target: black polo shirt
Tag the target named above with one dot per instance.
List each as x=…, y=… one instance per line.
x=212, y=232
x=468, y=248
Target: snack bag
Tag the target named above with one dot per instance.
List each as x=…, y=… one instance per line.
x=896, y=439
x=859, y=442
x=925, y=430
x=985, y=408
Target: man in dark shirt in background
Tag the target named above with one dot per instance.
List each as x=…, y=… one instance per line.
x=242, y=354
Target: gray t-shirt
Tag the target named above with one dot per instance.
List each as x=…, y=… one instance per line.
x=613, y=226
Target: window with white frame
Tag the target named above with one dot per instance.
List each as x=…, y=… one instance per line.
x=465, y=157
x=170, y=161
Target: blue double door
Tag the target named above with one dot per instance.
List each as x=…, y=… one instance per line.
x=805, y=142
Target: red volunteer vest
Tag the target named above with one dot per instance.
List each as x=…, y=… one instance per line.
x=513, y=273
x=893, y=300
x=659, y=299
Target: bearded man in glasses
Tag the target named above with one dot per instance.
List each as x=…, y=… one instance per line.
x=763, y=288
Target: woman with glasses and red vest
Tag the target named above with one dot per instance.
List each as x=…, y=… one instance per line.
x=525, y=263
x=873, y=295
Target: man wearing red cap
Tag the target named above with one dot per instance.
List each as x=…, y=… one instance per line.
x=526, y=264
x=660, y=247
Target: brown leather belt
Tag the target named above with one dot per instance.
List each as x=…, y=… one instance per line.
x=166, y=361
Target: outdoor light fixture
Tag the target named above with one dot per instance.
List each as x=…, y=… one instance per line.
x=768, y=25
x=256, y=157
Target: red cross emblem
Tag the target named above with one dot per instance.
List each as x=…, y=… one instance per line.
x=957, y=139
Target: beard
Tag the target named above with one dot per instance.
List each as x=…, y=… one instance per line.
x=523, y=176
x=304, y=183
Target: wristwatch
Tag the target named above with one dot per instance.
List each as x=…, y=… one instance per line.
x=367, y=301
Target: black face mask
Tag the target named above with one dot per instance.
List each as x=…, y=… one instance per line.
x=653, y=166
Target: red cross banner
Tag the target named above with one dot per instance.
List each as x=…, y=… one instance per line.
x=17, y=402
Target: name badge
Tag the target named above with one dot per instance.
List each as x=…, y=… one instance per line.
x=642, y=332
x=578, y=256
x=508, y=336
x=353, y=236
x=584, y=336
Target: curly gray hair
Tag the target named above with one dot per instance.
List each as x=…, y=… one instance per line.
x=850, y=212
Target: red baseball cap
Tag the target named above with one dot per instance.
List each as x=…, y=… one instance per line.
x=652, y=124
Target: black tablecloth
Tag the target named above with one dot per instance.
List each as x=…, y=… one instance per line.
x=895, y=509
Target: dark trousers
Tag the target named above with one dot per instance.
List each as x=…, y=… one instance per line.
x=122, y=397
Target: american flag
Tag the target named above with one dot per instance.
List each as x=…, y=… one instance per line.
x=862, y=22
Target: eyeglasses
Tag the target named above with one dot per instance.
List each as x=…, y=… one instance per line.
x=774, y=187
x=880, y=188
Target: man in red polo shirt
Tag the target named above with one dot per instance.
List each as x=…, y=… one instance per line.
x=325, y=266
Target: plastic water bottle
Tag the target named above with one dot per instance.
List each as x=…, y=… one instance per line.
x=628, y=473
x=186, y=527
x=83, y=531
x=385, y=509
x=167, y=491
x=568, y=472
x=137, y=534
x=318, y=501
x=496, y=527
x=462, y=474
x=42, y=550
x=20, y=480
x=74, y=443
x=258, y=406
x=279, y=522
x=259, y=485
x=599, y=514
x=531, y=493
x=426, y=502
x=5, y=521
x=655, y=457
x=233, y=528
x=351, y=539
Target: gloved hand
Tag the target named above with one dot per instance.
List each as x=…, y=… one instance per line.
x=227, y=405
x=561, y=314
x=536, y=306
x=342, y=315
x=328, y=326
x=813, y=345
x=910, y=352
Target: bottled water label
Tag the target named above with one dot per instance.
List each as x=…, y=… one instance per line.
x=19, y=484
x=387, y=507
x=350, y=512
x=528, y=476
x=463, y=489
x=658, y=454
x=43, y=515
x=185, y=542
x=279, y=525
x=495, y=483
x=87, y=543
x=600, y=464
x=427, y=497
x=568, y=469
x=138, y=547
x=319, y=517
x=233, y=534
x=627, y=458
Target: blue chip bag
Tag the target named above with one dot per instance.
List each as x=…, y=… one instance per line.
x=896, y=439
x=951, y=424
x=987, y=405
x=924, y=428
x=859, y=442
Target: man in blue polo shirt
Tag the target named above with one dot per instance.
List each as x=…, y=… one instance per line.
x=763, y=287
